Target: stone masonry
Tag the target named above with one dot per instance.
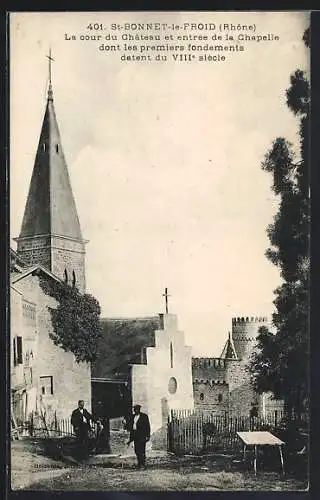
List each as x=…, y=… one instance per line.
x=223, y=384
x=69, y=380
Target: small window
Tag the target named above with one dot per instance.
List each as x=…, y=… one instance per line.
x=17, y=351
x=57, y=148
x=44, y=147
x=73, y=279
x=46, y=385
x=201, y=396
x=172, y=387
x=220, y=398
x=65, y=276
x=171, y=355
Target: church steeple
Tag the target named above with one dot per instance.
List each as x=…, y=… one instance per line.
x=50, y=232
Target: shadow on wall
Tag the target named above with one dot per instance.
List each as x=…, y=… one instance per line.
x=159, y=436
x=164, y=411
x=159, y=439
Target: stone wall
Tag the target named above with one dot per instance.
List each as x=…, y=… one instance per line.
x=210, y=390
x=209, y=369
x=36, y=250
x=70, y=381
x=270, y=405
x=213, y=397
x=237, y=394
x=241, y=393
x=16, y=330
x=57, y=254
x=68, y=256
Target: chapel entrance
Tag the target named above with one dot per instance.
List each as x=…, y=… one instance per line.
x=164, y=411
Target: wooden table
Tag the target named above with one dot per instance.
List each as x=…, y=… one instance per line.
x=260, y=438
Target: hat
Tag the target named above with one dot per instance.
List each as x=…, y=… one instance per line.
x=137, y=406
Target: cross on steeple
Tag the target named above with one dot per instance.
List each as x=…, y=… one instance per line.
x=166, y=295
x=50, y=59
x=50, y=86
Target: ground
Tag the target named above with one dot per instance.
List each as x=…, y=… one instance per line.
x=31, y=470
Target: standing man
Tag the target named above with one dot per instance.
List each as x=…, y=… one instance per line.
x=81, y=422
x=139, y=427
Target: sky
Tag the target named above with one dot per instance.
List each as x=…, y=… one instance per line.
x=164, y=159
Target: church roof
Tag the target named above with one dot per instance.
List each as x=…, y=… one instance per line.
x=37, y=268
x=229, y=351
x=123, y=342
x=16, y=263
x=50, y=206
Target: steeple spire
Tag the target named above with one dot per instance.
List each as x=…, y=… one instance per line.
x=50, y=93
x=50, y=232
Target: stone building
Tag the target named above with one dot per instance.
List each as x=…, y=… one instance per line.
x=145, y=361
x=44, y=378
x=222, y=384
x=141, y=360
x=164, y=381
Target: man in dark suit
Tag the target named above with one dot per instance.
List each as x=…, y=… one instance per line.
x=81, y=421
x=139, y=427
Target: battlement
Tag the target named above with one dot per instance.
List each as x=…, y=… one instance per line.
x=252, y=319
x=217, y=363
x=209, y=382
x=243, y=338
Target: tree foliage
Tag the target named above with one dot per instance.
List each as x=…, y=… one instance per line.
x=75, y=320
x=280, y=364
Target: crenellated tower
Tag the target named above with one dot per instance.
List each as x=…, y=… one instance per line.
x=223, y=384
x=50, y=233
x=244, y=334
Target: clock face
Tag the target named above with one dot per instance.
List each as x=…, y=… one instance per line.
x=172, y=386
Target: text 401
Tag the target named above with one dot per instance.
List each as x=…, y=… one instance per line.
x=95, y=26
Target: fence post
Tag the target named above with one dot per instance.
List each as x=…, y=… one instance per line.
x=31, y=424
x=174, y=435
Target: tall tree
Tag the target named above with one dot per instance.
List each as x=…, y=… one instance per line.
x=281, y=362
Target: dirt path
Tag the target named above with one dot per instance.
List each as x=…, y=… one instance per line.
x=33, y=471
x=29, y=466
x=97, y=478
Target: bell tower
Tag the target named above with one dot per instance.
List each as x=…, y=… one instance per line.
x=50, y=233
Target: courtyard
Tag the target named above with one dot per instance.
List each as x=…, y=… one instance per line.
x=31, y=469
